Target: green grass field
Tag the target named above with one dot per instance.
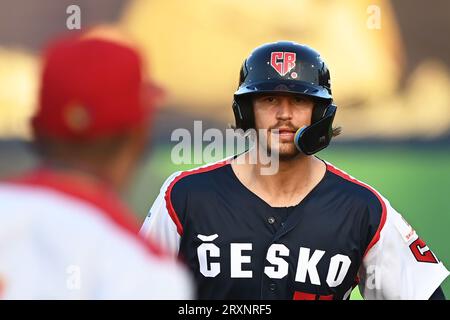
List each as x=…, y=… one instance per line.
x=415, y=181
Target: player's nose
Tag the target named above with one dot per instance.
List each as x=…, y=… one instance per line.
x=284, y=109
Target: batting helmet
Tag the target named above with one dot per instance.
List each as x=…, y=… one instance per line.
x=292, y=68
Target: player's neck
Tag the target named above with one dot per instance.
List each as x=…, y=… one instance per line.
x=293, y=180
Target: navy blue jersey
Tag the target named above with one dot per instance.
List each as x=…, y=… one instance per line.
x=341, y=234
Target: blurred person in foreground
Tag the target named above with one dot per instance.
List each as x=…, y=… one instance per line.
x=64, y=232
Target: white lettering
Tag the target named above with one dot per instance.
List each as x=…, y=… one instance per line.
x=202, y=253
x=282, y=267
x=237, y=259
x=307, y=265
x=334, y=279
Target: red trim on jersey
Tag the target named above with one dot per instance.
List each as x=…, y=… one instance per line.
x=92, y=191
x=303, y=296
x=344, y=175
x=357, y=281
x=167, y=195
x=298, y=295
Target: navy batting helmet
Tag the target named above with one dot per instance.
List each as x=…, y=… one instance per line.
x=289, y=67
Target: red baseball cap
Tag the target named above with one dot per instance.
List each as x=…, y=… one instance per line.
x=92, y=88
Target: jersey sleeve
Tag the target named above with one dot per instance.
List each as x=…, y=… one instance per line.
x=398, y=264
x=162, y=224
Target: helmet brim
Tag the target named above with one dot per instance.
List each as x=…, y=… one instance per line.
x=288, y=86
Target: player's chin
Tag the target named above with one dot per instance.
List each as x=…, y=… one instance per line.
x=286, y=151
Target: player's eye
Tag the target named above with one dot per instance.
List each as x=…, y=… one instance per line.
x=269, y=99
x=299, y=99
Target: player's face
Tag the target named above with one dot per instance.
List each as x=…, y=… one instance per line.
x=285, y=112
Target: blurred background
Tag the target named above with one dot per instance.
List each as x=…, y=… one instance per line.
x=389, y=64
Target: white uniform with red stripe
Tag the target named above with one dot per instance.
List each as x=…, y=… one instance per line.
x=399, y=265
x=60, y=240
x=358, y=225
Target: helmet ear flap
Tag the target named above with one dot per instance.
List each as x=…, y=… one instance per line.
x=319, y=110
x=238, y=118
x=243, y=113
x=242, y=105
x=317, y=136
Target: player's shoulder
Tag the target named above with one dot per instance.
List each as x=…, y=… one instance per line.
x=359, y=192
x=196, y=179
x=53, y=212
x=366, y=202
x=30, y=199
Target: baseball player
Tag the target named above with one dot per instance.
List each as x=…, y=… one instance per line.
x=310, y=231
x=64, y=233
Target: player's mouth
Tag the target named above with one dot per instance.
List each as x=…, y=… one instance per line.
x=285, y=134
